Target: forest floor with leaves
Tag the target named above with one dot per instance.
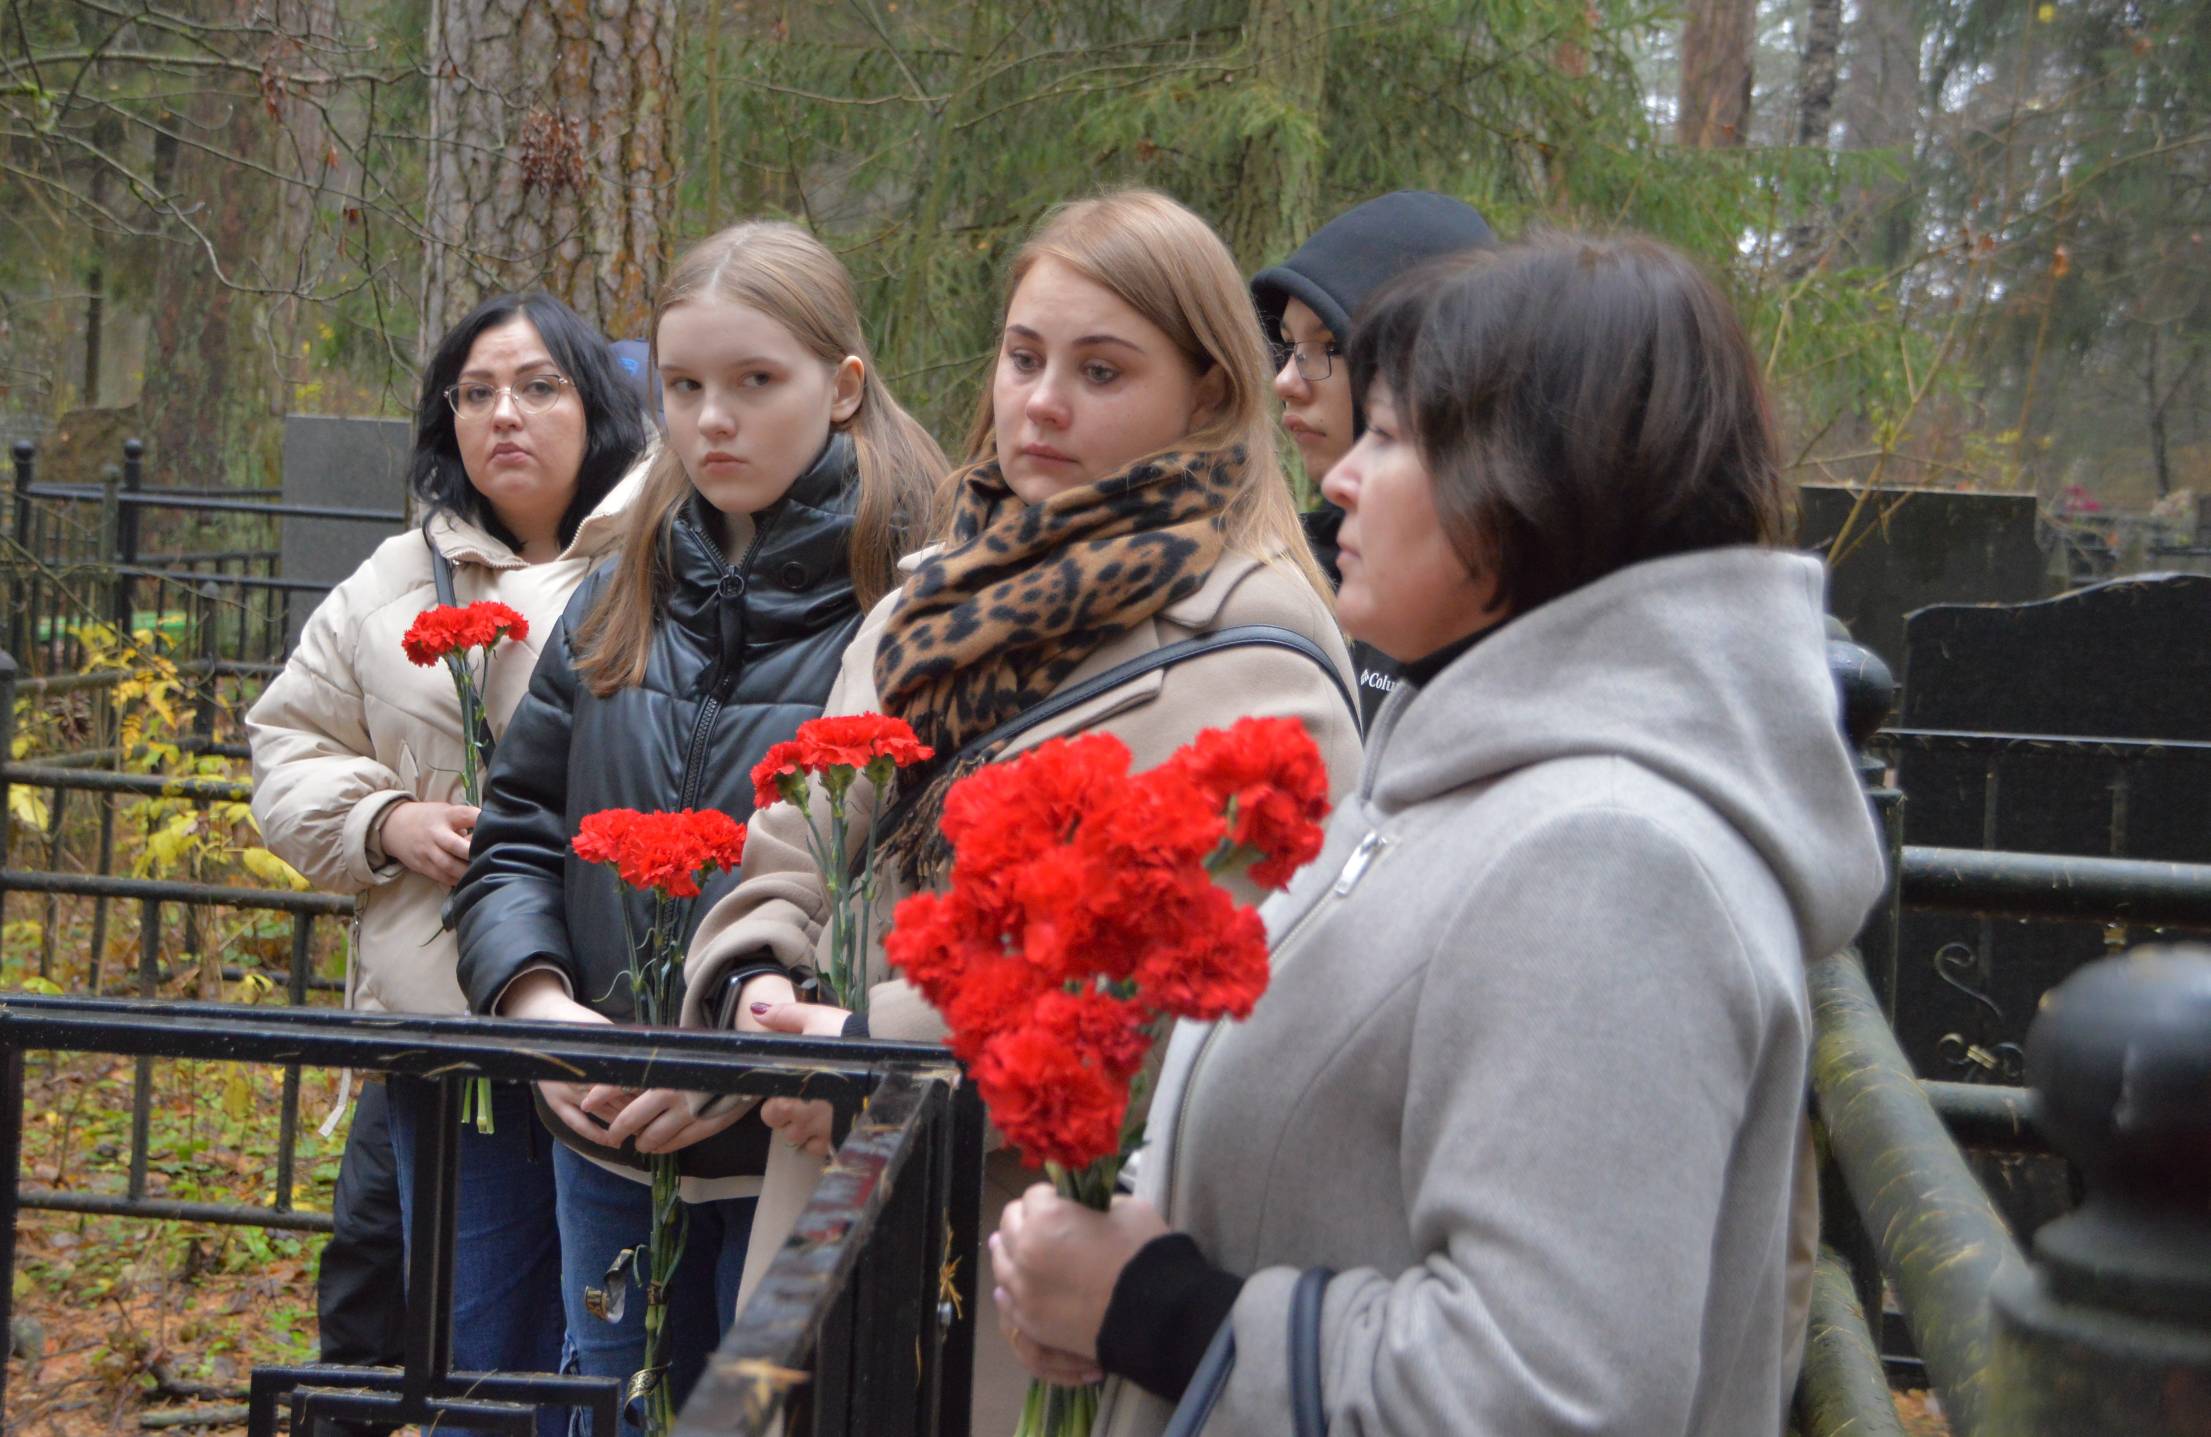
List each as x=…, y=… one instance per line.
x=119, y=1319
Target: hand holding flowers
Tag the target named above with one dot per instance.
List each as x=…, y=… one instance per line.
x=1084, y=917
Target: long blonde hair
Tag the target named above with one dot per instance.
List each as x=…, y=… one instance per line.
x=1169, y=266
x=788, y=275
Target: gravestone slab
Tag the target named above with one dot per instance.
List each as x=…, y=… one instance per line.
x=352, y=463
x=2125, y=659
x=1920, y=547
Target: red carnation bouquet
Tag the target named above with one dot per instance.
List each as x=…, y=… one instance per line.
x=835, y=751
x=451, y=634
x=662, y=854
x=1084, y=918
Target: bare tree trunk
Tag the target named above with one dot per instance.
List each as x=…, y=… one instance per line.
x=1815, y=81
x=1277, y=196
x=553, y=162
x=1881, y=103
x=1815, y=107
x=2160, y=466
x=1716, y=41
x=205, y=404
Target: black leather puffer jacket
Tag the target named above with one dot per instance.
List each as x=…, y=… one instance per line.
x=742, y=656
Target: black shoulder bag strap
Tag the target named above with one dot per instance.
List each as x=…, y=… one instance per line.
x=1163, y=657
x=1306, y=1300
x=1309, y=1417
x=441, y=575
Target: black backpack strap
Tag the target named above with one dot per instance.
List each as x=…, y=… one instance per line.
x=1164, y=657
x=1243, y=636
x=441, y=575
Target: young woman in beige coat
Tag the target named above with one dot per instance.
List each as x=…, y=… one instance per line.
x=1125, y=448
x=524, y=432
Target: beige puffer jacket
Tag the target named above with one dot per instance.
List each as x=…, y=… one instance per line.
x=351, y=727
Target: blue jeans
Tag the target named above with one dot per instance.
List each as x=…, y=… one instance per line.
x=506, y=1242
x=602, y=1213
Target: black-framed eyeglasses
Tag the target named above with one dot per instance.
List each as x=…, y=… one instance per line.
x=1316, y=358
x=475, y=398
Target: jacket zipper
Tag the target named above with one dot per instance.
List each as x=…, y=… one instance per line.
x=1355, y=866
x=693, y=761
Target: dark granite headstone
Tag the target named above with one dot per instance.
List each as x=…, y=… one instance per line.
x=1920, y=547
x=353, y=463
x=2130, y=658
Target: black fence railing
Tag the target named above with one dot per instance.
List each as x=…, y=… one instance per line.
x=77, y=554
x=863, y=1323
x=2108, y=1329
x=154, y=899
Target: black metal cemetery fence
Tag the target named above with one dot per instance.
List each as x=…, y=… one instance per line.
x=153, y=898
x=77, y=554
x=863, y=1324
x=2108, y=1328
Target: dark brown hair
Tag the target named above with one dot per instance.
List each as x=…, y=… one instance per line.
x=1580, y=405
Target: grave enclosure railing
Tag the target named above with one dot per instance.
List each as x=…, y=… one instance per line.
x=2108, y=1328
x=76, y=553
x=863, y=1323
x=63, y=776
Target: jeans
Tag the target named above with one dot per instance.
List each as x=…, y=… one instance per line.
x=506, y=1241
x=602, y=1213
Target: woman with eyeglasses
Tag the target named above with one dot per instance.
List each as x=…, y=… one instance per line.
x=523, y=432
x=1306, y=305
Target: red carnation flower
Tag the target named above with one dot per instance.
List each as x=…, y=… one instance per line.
x=664, y=852
x=1048, y=1101
x=1269, y=774
x=780, y=775
x=858, y=740
x=443, y=630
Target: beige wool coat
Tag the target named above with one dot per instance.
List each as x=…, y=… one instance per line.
x=780, y=908
x=351, y=727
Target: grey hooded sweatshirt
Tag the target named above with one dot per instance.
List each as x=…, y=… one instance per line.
x=1531, y=1072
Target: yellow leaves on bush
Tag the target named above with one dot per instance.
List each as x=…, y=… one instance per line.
x=237, y=1095
x=271, y=870
x=168, y=847
x=27, y=807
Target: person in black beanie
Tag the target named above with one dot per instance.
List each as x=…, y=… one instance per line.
x=1306, y=305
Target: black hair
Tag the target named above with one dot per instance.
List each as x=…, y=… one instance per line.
x=614, y=422
x=1580, y=405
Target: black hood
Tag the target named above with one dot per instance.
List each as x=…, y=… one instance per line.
x=1362, y=249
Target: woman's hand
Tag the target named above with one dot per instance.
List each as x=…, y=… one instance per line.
x=804, y=1123
x=429, y=838
x=541, y=997
x=660, y=1119
x=1055, y=1263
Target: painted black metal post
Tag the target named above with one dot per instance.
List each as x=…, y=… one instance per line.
x=7, y=750
x=20, y=562
x=964, y=1220
x=11, y=1172
x=1867, y=693
x=429, y=1338
x=126, y=535
x=2109, y=1330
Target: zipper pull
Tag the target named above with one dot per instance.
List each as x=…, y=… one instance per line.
x=1362, y=858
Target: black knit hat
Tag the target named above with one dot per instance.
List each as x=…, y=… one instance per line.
x=1361, y=249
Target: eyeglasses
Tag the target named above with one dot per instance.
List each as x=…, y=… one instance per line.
x=1315, y=357
x=474, y=399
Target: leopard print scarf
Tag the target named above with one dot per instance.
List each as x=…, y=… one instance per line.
x=1021, y=595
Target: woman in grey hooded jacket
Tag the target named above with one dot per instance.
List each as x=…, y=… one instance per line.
x=1530, y=1077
